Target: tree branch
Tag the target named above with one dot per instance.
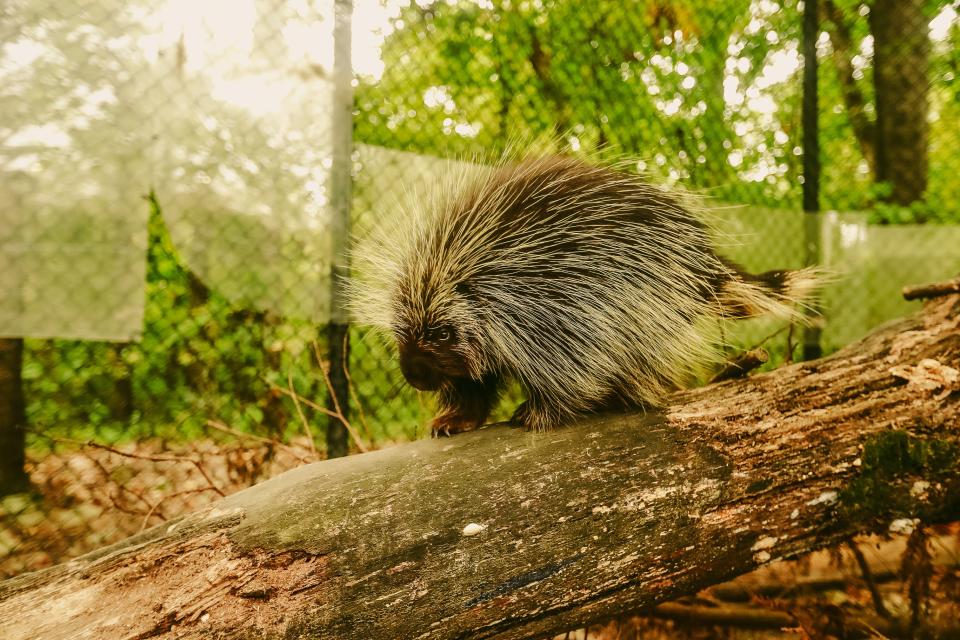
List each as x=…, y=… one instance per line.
x=932, y=290
x=868, y=579
x=500, y=533
x=741, y=365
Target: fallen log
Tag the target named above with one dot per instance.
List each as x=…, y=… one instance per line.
x=505, y=534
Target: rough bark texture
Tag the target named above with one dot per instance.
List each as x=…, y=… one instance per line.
x=842, y=51
x=901, y=43
x=505, y=534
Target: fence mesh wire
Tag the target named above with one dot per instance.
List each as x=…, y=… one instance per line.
x=164, y=260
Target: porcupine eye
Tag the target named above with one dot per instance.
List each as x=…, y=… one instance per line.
x=440, y=335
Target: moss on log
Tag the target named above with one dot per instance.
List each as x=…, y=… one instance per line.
x=501, y=533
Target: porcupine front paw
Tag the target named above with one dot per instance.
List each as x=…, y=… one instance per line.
x=447, y=424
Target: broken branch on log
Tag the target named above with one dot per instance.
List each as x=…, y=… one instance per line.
x=932, y=290
x=501, y=533
x=741, y=365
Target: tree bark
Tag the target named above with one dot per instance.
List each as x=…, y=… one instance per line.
x=901, y=52
x=501, y=533
x=843, y=48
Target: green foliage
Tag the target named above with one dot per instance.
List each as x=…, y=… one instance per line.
x=653, y=82
x=201, y=358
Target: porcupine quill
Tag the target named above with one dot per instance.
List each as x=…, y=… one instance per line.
x=586, y=284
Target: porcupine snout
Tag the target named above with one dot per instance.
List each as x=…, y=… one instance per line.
x=419, y=369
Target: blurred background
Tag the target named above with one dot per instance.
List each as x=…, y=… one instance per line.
x=180, y=181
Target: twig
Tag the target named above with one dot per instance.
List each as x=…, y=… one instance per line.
x=153, y=509
x=353, y=392
x=316, y=407
x=306, y=401
x=127, y=510
x=931, y=290
x=916, y=568
x=303, y=418
x=752, y=617
x=336, y=403
x=203, y=472
x=742, y=364
x=123, y=488
x=869, y=580
x=736, y=591
x=733, y=616
x=326, y=378
x=139, y=456
x=769, y=336
x=789, y=359
x=236, y=432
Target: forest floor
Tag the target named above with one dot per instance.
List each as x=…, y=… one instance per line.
x=87, y=495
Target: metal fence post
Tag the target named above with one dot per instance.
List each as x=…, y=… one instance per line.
x=338, y=338
x=811, y=162
x=13, y=419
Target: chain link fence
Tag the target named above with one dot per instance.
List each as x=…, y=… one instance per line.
x=168, y=194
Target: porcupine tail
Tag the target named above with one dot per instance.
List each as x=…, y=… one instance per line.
x=781, y=293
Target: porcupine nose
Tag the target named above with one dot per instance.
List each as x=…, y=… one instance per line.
x=418, y=370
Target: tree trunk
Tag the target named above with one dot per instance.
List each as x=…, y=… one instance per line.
x=843, y=47
x=501, y=533
x=13, y=419
x=119, y=398
x=901, y=44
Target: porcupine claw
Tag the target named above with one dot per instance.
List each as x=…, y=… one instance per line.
x=526, y=416
x=449, y=424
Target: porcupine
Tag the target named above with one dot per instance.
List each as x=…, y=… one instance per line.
x=584, y=283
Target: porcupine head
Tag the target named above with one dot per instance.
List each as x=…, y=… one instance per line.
x=584, y=283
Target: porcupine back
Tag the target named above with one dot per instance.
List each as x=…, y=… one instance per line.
x=584, y=283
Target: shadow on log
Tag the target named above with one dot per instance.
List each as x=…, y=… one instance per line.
x=505, y=534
